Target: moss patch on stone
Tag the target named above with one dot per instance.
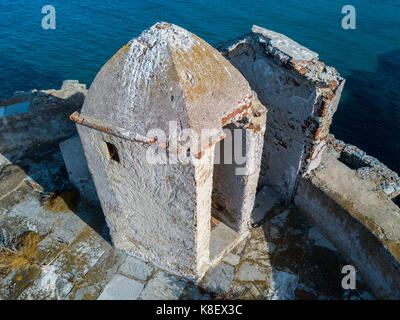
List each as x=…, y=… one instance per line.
x=19, y=253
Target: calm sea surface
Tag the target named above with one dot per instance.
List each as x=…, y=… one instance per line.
x=89, y=32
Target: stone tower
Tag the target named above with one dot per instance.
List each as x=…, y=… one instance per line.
x=159, y=89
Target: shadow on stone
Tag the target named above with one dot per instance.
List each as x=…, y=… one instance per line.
x=31, y=152
x=304, y=266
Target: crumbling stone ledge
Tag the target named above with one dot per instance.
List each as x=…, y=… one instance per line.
x=45, y=117
x=366, y=167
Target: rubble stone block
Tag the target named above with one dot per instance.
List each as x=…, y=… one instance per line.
x=249, y=271
x=10, y=177
x=121, y=288
x=163, y=287
x=136, y=268
x=91, y=286
x=232, y=259
x=219, y=279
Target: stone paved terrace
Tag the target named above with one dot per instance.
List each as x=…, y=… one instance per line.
x=284, y=258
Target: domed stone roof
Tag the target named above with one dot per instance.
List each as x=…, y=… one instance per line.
x=166, y=74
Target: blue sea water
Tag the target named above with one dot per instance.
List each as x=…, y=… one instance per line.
x=89, y=32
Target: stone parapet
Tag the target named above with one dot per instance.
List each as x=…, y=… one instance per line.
x=39, y=116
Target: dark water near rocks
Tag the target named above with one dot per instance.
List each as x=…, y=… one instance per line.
x=89, y=32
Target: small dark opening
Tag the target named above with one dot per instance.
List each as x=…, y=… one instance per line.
x=396, y=201
x=352, y=161
x=112, y=152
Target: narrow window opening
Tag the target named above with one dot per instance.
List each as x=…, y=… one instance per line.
x=112, y=152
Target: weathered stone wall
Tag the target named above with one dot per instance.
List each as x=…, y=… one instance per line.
x=301, y=94
x=47, y=119
x=363, y=225
x=152, y=209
